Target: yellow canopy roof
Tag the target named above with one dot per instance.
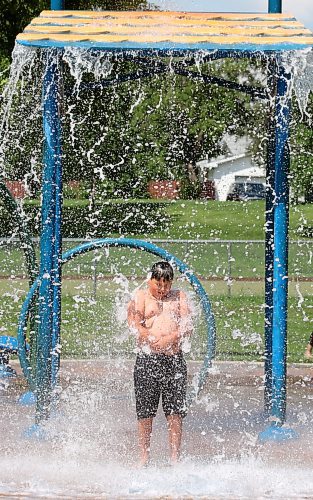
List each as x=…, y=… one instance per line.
x=166, y=30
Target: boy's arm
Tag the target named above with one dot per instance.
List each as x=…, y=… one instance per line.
x=186, y=324
x=135, y=316
x=308, y=349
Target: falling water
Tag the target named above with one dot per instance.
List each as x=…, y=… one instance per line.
x=92, y=448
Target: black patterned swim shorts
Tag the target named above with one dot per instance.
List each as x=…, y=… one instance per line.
x=156, y=375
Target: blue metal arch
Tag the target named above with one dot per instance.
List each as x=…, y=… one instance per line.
x=140, y=245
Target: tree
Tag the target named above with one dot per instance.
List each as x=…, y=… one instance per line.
x=158, y=127
x=123, y=135
x=16, y=14
x=185, y=119
x=302, y=153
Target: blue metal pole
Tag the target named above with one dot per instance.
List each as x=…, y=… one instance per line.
x=57, y=4
x=274, y=6
x=52, y=161
x=57, y=257
x=276, y=431
x=280, y=264
x=269, y=235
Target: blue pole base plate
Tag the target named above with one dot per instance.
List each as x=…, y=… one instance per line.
x=36, y=433
x=27, y=399
x=7, y=372
x=277, y=434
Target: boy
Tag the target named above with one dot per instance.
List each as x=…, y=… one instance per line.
x=161, y=318
x=308, y=350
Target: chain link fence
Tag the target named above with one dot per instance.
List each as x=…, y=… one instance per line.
x=97, y=286
x=226, y=261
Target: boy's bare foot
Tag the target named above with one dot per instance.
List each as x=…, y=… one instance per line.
x=143, y=463
x=174, y=460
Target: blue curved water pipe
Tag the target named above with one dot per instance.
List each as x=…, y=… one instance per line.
x=8, y=346
x=140, y=245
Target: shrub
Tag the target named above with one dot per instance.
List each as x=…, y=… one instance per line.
x=79, y=221
x=306, y=231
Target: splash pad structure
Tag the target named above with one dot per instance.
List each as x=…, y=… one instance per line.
x=128, y=243
x=203, y=36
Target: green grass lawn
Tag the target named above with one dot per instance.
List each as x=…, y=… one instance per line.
x=90, y=326
x=195, y=220
x=207, y=260
x=192, y=219
x=95, y=327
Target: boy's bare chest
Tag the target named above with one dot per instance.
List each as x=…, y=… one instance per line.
x=166, y=307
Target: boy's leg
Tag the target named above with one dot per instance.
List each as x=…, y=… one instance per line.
x=144, y=435
x=175, y=428
x=174, y=401
x=147, y=394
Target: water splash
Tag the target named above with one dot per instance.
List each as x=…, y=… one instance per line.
x=247, y=338
x=24, y=60
x=299, y=63
x=81, y=61
x=79, y=460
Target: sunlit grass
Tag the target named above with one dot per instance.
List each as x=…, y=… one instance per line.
x=194, y=220
x=214, y=260
x=94, y=327
x=89, y=321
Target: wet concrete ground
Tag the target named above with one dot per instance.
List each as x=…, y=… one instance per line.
x=92, y=445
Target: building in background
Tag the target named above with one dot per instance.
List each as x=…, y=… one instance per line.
x=234, y=177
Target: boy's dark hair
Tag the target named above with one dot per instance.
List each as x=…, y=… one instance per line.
x=162, y=270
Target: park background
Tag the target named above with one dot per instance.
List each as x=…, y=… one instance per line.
x=158, y=131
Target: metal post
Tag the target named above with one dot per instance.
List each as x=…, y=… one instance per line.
x=57, y=4
x=280, y=264
x=229, y=259
x=274, y=6
x=269, y=235
x=49, y=302
x=95, y=275
x=57, y=257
